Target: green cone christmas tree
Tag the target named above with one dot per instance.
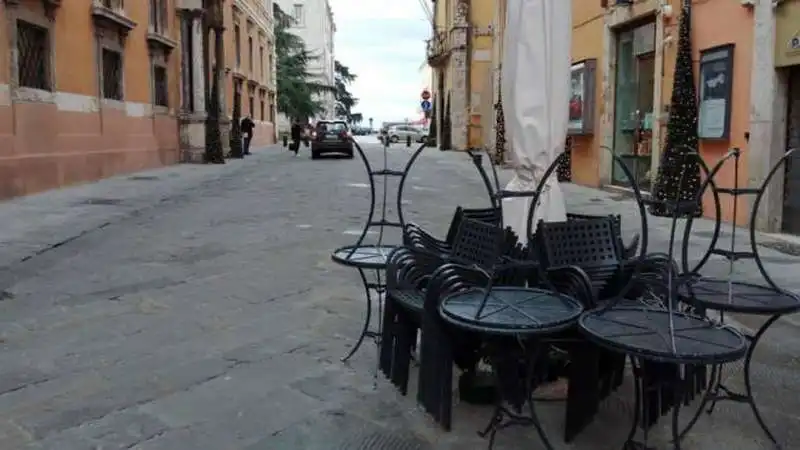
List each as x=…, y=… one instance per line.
x=678, y=177
x=236, y=129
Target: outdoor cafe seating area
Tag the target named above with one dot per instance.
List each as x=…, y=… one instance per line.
x=490, y=314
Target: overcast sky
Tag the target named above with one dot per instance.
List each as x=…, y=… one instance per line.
x=383, y=42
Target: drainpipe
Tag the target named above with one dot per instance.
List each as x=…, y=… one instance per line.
x=468, y=77
x=658, y=90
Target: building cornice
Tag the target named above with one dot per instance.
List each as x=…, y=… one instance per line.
x=260, y=16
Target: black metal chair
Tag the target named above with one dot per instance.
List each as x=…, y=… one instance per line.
x=582, y=257
x=416, y=236
x=408, y=273
x=628, y=250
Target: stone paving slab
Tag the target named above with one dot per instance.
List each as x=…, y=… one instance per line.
x=208, y=315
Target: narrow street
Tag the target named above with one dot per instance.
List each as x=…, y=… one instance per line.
x=197, y=308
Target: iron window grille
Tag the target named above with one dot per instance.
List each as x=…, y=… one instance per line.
x=114, y=4
x=160, y=86
x=252, y=103
x=112, y=74
x=261, y=62
x=263, y=110
x=158, y=16
x=237, y=42
x=33, y=50
x=250, y=55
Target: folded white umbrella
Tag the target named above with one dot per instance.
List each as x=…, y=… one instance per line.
x=536, y=89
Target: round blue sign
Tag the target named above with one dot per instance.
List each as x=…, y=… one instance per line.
x=426, y=105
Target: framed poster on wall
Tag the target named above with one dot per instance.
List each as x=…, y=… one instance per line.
x=715, y=91
x=581, y=100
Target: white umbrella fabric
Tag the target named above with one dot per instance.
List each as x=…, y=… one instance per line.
x=536, y=84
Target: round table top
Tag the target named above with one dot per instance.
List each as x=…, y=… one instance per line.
x=645, y=333
x=735, y=296
x=363, y=256
x=511, y=310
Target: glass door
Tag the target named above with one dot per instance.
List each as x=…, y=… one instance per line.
x=624, y=103
x=634, y=111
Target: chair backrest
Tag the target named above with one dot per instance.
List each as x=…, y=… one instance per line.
x=478, y=243
x=590, y=244
x=616, y=223
x=488, y=215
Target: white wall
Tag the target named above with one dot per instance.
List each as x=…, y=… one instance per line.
x=317, y=30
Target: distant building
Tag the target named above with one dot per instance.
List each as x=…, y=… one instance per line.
x=313, y=22
x=250, y=65
x=460, y=56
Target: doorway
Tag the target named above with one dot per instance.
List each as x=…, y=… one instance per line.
x=790, y=221
x=633, y=104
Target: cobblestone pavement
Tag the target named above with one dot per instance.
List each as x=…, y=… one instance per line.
x=196, y=307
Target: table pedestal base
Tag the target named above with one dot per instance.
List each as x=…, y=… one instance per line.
x=380, y=289
x=503, y=416
x=717, y=391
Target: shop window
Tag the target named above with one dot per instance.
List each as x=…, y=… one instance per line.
x=33, y=49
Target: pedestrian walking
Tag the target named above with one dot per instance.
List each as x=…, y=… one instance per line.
x=297, y=134
x=248, y=127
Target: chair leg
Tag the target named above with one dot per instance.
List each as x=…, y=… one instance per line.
x=407, y=333
x=446, y=392
x=388, y=338
x=583, y=391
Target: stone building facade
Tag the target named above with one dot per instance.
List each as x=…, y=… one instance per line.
x=86, y=91
x=250, y=64
x=460, y=56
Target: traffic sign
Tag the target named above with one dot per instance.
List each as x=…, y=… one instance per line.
x=426, y=105
x=426, y=95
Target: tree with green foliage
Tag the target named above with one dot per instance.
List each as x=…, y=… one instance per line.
x=342, y=78
x=298, y=91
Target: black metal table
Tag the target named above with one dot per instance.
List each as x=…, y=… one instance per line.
x=727, y=296
x=365, y=256
x=657, y=335
x=527, y=315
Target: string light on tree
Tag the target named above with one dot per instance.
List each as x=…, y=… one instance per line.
x=678, y=177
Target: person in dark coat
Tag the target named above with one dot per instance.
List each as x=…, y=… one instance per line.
x=248, y=126
x=297, y=135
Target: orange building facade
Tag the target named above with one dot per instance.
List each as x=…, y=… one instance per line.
x=87, y=90
x=742, y=96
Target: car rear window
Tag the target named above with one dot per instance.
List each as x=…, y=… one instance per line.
x=332, y=126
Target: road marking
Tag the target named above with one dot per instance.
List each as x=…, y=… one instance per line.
x=420, y=188
x=358, y=185
x=303, y=225
x=357, y=232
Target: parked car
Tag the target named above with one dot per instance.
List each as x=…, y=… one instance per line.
x=399, y=133
x=332, y=136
